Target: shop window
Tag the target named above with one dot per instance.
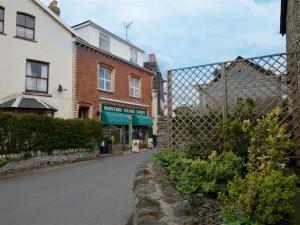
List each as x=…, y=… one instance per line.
x=134, y=87
x=105, y=79
x=37, y=74
x=83, y=113
x=25, y=26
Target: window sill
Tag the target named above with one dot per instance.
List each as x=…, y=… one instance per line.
x=37, y=94
x=25, y=39
x=139, y=98
x=111, y=92
x=2, y=33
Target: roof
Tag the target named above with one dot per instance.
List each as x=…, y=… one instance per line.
x=86, y=44
x=55, y=17
x=283, y=16
x=21, y=102
x=255, y=66
x=101, y=29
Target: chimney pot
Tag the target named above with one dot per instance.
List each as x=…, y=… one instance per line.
x=54, y=8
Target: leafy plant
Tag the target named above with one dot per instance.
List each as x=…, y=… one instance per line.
x=260, y=199
x=197, y=177
x=269, y=144
x=266, y=195
x=232, y=133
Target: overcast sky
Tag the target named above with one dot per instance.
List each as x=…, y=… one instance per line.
x=186, y=32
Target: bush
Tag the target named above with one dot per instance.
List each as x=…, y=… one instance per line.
x=7, y=127
x=260, y=199
x=266, y=195
x=30, y=132
x=232, y=135
x=197, y=177
x=269, y=144
x=209, y=177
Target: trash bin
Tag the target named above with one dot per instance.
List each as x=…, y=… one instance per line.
x=105, y=145
x=154, y=140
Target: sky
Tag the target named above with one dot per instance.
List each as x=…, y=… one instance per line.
x=185, y=33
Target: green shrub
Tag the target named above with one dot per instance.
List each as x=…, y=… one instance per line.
x=3, y=162
x=260, y=199
x=266, y=195
x=209, y=177
x=194, y=151
x=31, y=132
x=7, y=137
x=197, y=177
x=232, y=133
x=269, y=145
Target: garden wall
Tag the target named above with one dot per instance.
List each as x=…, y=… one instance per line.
x=156, y=202
x=42, y=160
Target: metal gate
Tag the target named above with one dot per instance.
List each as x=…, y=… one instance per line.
x=201, y=97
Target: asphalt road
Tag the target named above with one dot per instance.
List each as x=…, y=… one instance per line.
x=89, y=193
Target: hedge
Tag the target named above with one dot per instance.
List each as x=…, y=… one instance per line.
x=31, y=132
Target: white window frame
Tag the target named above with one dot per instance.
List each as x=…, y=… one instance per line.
x=133, y=55
x=34, y=80
x=105, y=80
x=104, y=39
x=135, y=87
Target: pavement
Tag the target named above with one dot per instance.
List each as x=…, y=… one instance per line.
x=97, y=192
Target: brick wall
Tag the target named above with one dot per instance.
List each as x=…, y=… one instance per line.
x=88, y=61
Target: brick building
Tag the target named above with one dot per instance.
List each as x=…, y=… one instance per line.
x=290, y=25
x=114, y=90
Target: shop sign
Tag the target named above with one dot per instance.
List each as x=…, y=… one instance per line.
x=123, y=110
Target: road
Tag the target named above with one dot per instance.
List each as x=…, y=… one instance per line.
x=89, y=193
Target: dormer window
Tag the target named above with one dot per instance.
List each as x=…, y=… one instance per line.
x=133, y=55
x=1, y=19
x=25, y=26
x=104, y=42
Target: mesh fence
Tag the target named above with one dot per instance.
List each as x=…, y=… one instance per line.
x=200, y=98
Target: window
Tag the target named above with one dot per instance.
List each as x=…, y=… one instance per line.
x=104, y=42
x=25, y=26
x=83, y=113
x=133, y=55
x=37, y=76
x=105, y=79
x=1, y=19
x=134, y=87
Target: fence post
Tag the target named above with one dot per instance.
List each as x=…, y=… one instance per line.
x=223, y=76
x=294, y=72
x=170, y=103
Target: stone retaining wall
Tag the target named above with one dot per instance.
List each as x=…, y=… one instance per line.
x=157, y=202
x=42, y=161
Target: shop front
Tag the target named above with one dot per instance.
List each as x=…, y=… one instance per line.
x=133, y=124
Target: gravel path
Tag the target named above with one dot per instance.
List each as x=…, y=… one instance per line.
x=89, y=193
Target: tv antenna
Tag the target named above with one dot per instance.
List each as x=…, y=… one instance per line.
x=127, y=27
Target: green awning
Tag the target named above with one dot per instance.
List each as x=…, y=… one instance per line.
x=141, y=120
x=115, y=118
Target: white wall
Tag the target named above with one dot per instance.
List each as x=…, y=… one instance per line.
x=54, y=44
x=118, y=48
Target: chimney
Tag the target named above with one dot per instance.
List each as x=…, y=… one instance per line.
x=53, y=6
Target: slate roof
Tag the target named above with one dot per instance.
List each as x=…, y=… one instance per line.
x=21, y=102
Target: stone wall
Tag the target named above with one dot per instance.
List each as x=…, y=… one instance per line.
x=157, y=202
x=41, y=161
x=162, y=132
x=293, y=48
